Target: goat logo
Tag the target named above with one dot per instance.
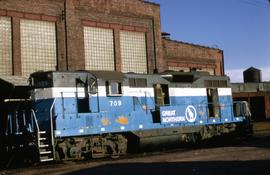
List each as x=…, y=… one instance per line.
x=191, y=113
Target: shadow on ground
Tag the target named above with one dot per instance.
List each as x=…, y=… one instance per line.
x=178, y=168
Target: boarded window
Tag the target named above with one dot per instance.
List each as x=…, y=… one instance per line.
x=99, y=49
x=181, y=69
x=209, y=70
x=188, y=69
x=133, y=52
x=38, y=46
x=5, y=46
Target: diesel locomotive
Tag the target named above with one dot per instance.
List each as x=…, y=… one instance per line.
x=82, y=114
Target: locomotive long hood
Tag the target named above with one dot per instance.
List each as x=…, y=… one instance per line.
x=14, y=87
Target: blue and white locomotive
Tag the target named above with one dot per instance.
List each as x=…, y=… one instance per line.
x=95, y=114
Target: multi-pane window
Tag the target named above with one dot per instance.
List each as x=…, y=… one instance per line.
x=5, y=46
x=38, y=46
x=99, y=49
x=133, y=52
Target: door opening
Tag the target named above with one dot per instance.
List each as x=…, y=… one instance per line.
x=212, y=98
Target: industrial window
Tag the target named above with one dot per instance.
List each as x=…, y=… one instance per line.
x=113, y=88
x=99, y=49
x=5, y=46
x=38, y=46
x=133, y=52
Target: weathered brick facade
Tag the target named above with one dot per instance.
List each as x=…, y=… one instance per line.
x=185, y=55
x=71, y=15
x=36, y=10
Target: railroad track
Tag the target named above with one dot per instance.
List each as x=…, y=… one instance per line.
x=218, y=144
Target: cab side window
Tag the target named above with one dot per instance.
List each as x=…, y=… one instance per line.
x=113, y=88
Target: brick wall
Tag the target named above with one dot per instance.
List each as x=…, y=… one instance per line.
x=35, y=10
x=134, y=15
x=250, y=97
x=186, y=55
x=116, y=14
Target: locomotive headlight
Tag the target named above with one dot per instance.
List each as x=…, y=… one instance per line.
x=237, y=118
x=57, y=132
x=81, y=131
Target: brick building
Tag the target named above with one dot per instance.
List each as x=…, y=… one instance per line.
x=119, y=35
x=255, y=92
x=116, y=35
x=181, y=56
x=257, y=95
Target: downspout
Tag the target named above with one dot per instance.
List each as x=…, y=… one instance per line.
x=154, y=40
x=222, y=62
x=66, y=37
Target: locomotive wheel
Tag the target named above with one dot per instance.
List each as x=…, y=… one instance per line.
x=91, y=147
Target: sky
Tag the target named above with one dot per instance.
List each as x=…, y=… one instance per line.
x=241, y=28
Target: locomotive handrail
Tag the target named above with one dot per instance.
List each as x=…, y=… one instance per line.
x=244, y=108
x=35, y=119
x=244, y=111
x=141, y=104
x=51, y=127
x=36, y=122
x=152, y=98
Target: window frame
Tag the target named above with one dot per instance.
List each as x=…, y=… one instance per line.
x=32, y=54
x=127, y=41
x=109, y=90
x=9, y=52
x=91, y=57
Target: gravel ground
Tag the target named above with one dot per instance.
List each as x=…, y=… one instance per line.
x=238, y=157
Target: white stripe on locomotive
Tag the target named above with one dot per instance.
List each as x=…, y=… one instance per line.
x=68, y=92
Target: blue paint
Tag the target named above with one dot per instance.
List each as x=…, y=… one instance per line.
x=125, y=113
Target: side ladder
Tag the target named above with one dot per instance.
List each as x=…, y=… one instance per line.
x=45, y=147
x=45, y=140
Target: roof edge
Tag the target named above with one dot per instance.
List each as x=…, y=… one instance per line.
x=192, y=44
x=152, y=3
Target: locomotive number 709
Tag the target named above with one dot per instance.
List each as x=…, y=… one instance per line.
x=115, y=103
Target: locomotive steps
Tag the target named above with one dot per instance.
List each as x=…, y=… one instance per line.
x=45, y=149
